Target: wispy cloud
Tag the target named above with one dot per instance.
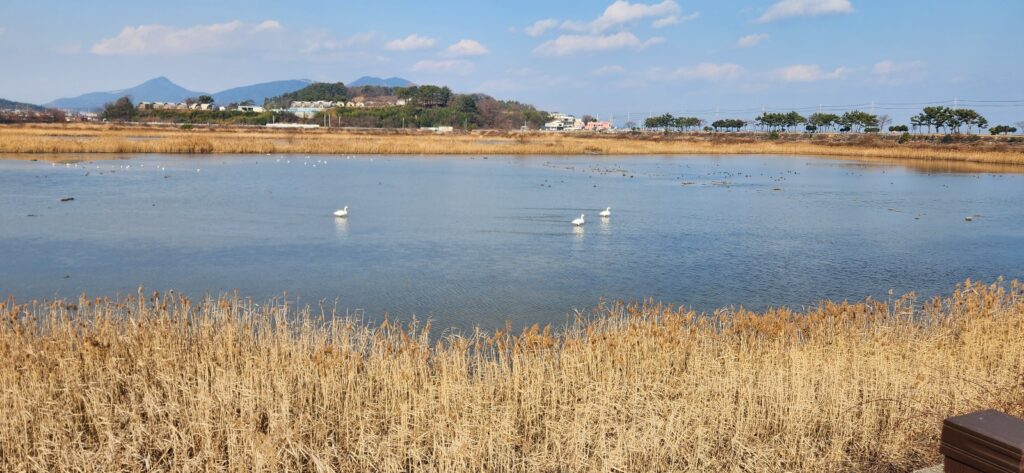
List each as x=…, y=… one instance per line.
x=750, y=40
x=703, y=71
x=675, y=20
x=540, y=26
x=320, y=43
x=412, y=42
x=802, y=8
x=455, y=66
x=809, y=73
x=571, y=44
x=525, y=79
x=156, y=39
x=608, y=70
x=891, y=72
x=465, y=48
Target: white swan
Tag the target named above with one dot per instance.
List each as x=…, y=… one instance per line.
x=606, y=212
x=579, y=221
x=341, y=213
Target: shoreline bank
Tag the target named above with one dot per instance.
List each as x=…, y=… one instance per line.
x=125, y=139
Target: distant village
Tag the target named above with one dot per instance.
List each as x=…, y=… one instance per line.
x=559, y=122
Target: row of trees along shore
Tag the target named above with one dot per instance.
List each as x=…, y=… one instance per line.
x=940, y=119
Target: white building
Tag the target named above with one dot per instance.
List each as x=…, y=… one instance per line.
x=563, y=122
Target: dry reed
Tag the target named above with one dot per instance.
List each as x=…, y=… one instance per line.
x=155, y=139
x=164, y=383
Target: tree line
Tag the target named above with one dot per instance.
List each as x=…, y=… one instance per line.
x=941, y=119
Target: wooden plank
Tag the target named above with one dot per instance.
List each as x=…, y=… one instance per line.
x=986, y=441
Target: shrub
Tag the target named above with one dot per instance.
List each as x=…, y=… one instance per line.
x=774, y=135
x=871, y=129
x=905, y=137
x=946, y=139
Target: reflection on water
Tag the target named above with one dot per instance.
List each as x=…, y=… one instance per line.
x=483, y=241
x=341, y=227
x=935, y=166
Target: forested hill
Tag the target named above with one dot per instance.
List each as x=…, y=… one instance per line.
x=422, y=106
x=11, y=105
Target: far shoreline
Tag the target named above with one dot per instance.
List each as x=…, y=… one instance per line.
x=35, y=141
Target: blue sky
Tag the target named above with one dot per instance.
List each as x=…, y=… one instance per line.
x=596, y=57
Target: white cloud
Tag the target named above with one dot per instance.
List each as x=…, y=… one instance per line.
x=156, y=39
x=466, y=47
x=619, y=14
x=268, y=25
x=571, y=44
x=539, y=27
x=750, y=40
x=796, y=8
x=703, y=71
x=891, y=72
x=608, y=70
x=456, y=66
x=809, y=73
x=674, y=20
x=411, y=43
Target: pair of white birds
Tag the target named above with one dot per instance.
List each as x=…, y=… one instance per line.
x=607, y=212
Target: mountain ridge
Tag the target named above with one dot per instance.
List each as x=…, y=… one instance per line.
x=12, y=105
x=162, y=89
x=377, y=81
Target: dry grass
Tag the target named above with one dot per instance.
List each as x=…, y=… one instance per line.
x=162, y=383
x=154, y=139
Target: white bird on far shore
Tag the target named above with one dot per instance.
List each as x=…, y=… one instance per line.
x=341, y=213
x=579, y=221
x=606, y=212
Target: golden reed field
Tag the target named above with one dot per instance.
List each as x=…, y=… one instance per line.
x=160, y=382
x=92, y=138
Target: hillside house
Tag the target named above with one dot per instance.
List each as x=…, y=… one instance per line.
x=563, y=122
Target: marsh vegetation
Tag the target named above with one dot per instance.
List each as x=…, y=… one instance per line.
x=156, y=382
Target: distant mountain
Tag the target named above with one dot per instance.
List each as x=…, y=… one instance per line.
x=160, y=89
x=10, y=105
x=389, y=82
x=259, y=92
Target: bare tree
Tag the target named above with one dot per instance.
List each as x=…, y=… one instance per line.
x=883, y=121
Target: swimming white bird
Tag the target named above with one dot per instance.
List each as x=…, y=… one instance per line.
x=606, y=212
x=579, y=221
x=341, y=213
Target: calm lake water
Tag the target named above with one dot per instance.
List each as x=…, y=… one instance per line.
x=480, y=241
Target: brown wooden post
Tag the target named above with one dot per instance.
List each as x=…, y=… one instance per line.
x=983, y=442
